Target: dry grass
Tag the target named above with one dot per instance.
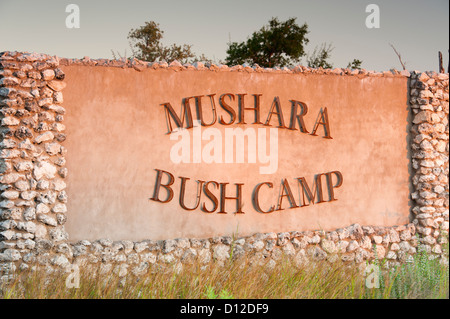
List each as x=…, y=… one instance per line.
x=423, y=278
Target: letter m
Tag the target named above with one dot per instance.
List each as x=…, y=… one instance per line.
x=185, y=115
x=306, y=190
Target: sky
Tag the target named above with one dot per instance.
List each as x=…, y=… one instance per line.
x=417, y=29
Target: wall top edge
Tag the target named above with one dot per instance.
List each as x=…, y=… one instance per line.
x=140, y=66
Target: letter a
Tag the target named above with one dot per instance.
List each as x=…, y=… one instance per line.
x=73, y=19
x=373, y=19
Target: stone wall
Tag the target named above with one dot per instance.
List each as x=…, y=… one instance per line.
x=33, y=198
x=33, y=210
x=429, y=149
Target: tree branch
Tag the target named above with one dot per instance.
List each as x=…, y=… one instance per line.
x=399, y=56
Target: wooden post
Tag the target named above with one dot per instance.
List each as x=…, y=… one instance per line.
x=441, y=66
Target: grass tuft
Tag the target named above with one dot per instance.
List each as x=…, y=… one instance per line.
x=422, y=278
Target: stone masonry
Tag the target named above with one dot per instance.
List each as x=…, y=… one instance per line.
x=32, y=167
x=33, y=210
x=429, y=148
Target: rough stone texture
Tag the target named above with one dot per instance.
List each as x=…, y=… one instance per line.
x=31, y=210
x=257, y=249
x=32, y=167
x=429, y=156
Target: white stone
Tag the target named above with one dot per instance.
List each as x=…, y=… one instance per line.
x=441, y=146
x=47, y=220
x=43, y=184
x=60, y=261
x=45, y=102
x=29, y=213
x=437, y=249
x=342, y=246
x=26, y=144
x=221, y=252
x=301, y=259
x=404, y=245
x=29, y=244
x=8, y=143
x=28, y=195
x=377, y=239
x=8, y=154
x=288, y=249
x=10, y=194
x=168, y=246
x=352, y=246
x=44, y=137
x=10, y=255
x=439, y=189
x=139, y=247
x=429, y=240
x=52, y=148
x=8, y=224
x=9, y=178
x=57, y=108
x=204, y=256
x=41, y=231
x=44, y=169
x=56, y=85
x=10, y=121
x=315, y=239
x=23, y=166
x=58, y=127
x=426, y=209
x=22, y=185
x=391, y=255
x=7, y=204
x=58, y=97
x=35, y=93
x=366, y=243
x=27, y=226
x=58, y=234
x=167, y=259
x=426, y=145
x=42, y=208
x=59, y=185
x=328, y=246
x=48, y=75
x=258, y=245
x=59, y=208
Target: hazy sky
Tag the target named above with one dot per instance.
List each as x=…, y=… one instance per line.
x=418, y=29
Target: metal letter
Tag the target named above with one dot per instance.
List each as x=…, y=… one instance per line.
x=210, y=196
x=185, y=114
x=330, y=183
x=158, y=186
x=242, y=108
x=286, y=192
x=183, y=190
x=238, y=198
x=255, y=197
x=317, y=190
x=298, y=117
x=276, y=104
x=227, y=108
x=322, y=119
x=198, y=102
